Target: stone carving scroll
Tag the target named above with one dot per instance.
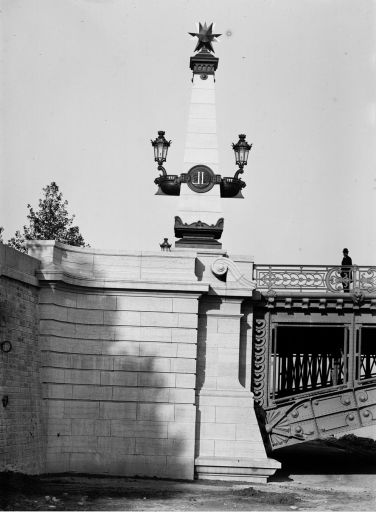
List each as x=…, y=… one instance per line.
x=226, y=268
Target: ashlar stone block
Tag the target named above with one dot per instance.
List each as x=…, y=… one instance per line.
x=158, y=412
x=53, y=375
x=180, y=467
x=53, y=312
x=81, y=409
x=202, y=111
x=86, y=316
x=82, y=392
x=116, y=378
x=160, y=380
x=181, y=447
x=144, y=303
x=122, y=318
x=117, y=445
x=139, y=429
x=153, y=394
x=159, y=319
x=97, y=301
x=185, y=380
x=82, y=376
x=189, y=305
x=184, y=335
x=116, y=410
x=121, y=348
x=156, y=349
x=183, y=396
x=122, y=394
x=59, y=427
x=179, y=430
x=225, y=431
x=183, y=365
x=54, y=408
x=185, y=413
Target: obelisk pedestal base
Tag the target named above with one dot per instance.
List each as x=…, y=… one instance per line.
x=198, y=234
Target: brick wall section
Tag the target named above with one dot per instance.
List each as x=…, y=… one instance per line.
x=21, y=428
x=118, y=374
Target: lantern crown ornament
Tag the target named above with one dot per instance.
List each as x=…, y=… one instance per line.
x=168, y=184
x=205, y=37
x=204, y=63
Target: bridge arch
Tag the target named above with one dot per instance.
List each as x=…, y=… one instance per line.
x=314, y=364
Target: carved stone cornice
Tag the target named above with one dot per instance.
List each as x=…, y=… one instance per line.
x=204, y=63
x=329, y=302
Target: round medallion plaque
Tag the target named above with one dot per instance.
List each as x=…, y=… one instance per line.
x=6, y=346
x=201, y=178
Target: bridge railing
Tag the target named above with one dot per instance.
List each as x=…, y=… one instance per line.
x=320, y=278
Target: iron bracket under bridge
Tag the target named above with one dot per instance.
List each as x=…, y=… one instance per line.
x=321, y=416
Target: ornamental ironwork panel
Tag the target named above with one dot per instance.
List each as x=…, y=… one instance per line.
x=260, y=361
x=306, y=278
x=315, y=417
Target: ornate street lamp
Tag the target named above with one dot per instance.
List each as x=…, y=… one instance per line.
x=167, y=183
x=241, y=150
x=232, y=187
x=160, y=145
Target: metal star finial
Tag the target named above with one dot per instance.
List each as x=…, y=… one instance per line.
x=205, y=37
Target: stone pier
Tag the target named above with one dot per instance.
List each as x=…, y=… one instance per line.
x=137, y=364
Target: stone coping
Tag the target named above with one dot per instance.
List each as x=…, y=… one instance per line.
x=16, y=265
x=32, y=244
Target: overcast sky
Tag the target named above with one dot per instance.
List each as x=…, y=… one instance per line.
x=87, y=83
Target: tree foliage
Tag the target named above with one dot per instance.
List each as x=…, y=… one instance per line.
x=51, y=221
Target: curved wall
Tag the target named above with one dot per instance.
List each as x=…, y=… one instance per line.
x=118, y=334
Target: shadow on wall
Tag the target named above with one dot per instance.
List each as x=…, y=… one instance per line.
x=199, y=269
x=118, y=384
x=245, y=344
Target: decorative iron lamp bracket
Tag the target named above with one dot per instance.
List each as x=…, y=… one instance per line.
x=169, y=184
x=232, y=187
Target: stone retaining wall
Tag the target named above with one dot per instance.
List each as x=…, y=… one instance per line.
x=118, y=374
x=118, y=334
x=128, y=364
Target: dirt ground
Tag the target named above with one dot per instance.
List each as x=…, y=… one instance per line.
x=329, y=476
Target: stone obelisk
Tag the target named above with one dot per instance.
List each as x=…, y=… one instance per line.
x=200, y=218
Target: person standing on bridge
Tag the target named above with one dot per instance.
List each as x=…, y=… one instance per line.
x=346, y=273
